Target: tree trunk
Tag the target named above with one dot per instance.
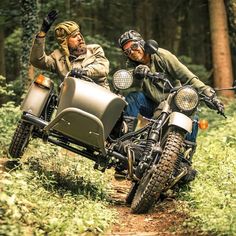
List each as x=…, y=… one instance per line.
x=2, y=56
x=221, y=56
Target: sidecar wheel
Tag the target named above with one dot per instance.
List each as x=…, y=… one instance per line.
x=156, y=178
x=20, y=139
x=131, y=193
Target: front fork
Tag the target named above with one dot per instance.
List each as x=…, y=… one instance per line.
x=175, y=119
x=151, y=148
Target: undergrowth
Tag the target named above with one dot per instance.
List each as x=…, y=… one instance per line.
x=212, y=197
x=52, y=192
x=57, y=193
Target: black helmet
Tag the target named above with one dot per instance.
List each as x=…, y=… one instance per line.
x=130, y=35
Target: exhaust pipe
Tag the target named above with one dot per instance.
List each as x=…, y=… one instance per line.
x=34, y=120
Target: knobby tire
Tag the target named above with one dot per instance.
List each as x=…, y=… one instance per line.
x=155, y=181
x=20, y=139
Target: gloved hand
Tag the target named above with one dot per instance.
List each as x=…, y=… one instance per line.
x=48, y=21
x=141, y=71
x=218, y=104
x=78, y=73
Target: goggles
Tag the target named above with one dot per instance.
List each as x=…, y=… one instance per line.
x=133, y=47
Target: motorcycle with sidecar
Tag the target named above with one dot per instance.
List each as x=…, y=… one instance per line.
x=87, y=119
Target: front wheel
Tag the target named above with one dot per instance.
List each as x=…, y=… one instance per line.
x=155, y=179
x=20, y=139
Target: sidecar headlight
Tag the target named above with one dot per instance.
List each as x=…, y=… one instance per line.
x=122, y=79
x=186, y=99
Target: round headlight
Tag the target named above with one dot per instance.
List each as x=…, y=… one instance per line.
x=186, y=99
x=122, y=79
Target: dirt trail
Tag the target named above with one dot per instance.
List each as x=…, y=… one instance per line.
x=163, y=220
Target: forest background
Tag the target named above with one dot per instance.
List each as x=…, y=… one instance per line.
x=191, y=29
x=62, y=195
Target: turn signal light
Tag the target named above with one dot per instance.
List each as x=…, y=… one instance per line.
x=44, y=81
x=203, y=124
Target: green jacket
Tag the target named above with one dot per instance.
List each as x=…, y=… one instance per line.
x=94, y=61
x=177, y=73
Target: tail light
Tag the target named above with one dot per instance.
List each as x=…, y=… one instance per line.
x=43, y=81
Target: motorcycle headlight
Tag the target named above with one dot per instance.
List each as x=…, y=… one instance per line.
x=122, y=79
x=186, y=99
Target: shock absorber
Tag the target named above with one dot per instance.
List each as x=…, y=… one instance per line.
x=151, y=146
x=50, y=107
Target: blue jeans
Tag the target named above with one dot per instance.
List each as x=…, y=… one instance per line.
x=192, y=137
x=138, y=103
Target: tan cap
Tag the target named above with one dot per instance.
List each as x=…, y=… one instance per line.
x=62, y=31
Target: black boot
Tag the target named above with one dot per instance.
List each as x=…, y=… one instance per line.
x=190, y=176
x=130, y=123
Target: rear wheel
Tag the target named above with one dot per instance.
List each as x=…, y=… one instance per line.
x=20, y=139
x=156, y=178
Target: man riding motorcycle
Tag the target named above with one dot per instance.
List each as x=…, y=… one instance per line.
x=146, y=94
x=74, y=55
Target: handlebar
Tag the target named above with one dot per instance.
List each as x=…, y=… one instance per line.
x=159, y=76
x=211, y=104
x=209, y=101
x=83, y=77
x=221, y=89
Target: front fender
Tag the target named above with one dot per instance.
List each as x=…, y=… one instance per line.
x=180, y=120
x=36, y=99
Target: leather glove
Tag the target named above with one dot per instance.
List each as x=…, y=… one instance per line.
x=78, y=73
x=48, y=21
x=218, y=104
x=141, y=71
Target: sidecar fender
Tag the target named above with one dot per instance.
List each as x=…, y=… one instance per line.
x=36, y=98
x=181, y=120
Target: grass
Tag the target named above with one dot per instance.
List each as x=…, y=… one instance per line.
x=212, y=199
x=56, y=193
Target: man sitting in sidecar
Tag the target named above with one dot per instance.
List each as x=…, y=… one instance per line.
x=74, y=55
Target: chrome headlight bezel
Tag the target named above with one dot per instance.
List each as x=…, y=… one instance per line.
x=122, y=79
x=186, y=99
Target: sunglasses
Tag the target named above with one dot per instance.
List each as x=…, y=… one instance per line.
x=133, y=47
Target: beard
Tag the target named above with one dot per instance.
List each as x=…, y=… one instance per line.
x=77, y=51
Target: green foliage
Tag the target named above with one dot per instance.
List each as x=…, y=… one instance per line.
x=54, y=192
x=26, y=207
x=13, y=42
x=67, y=171
x=13, y=46
x=9, y=115
x=29, y=25
x=231, y=13
x=5, y=89
x=212, y=198
x=10, y=91
x=198, y=70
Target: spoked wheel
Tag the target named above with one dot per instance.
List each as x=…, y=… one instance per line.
x=156, y=178
x=20, y=139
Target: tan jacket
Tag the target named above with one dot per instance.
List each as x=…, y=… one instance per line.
x=94, y=61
